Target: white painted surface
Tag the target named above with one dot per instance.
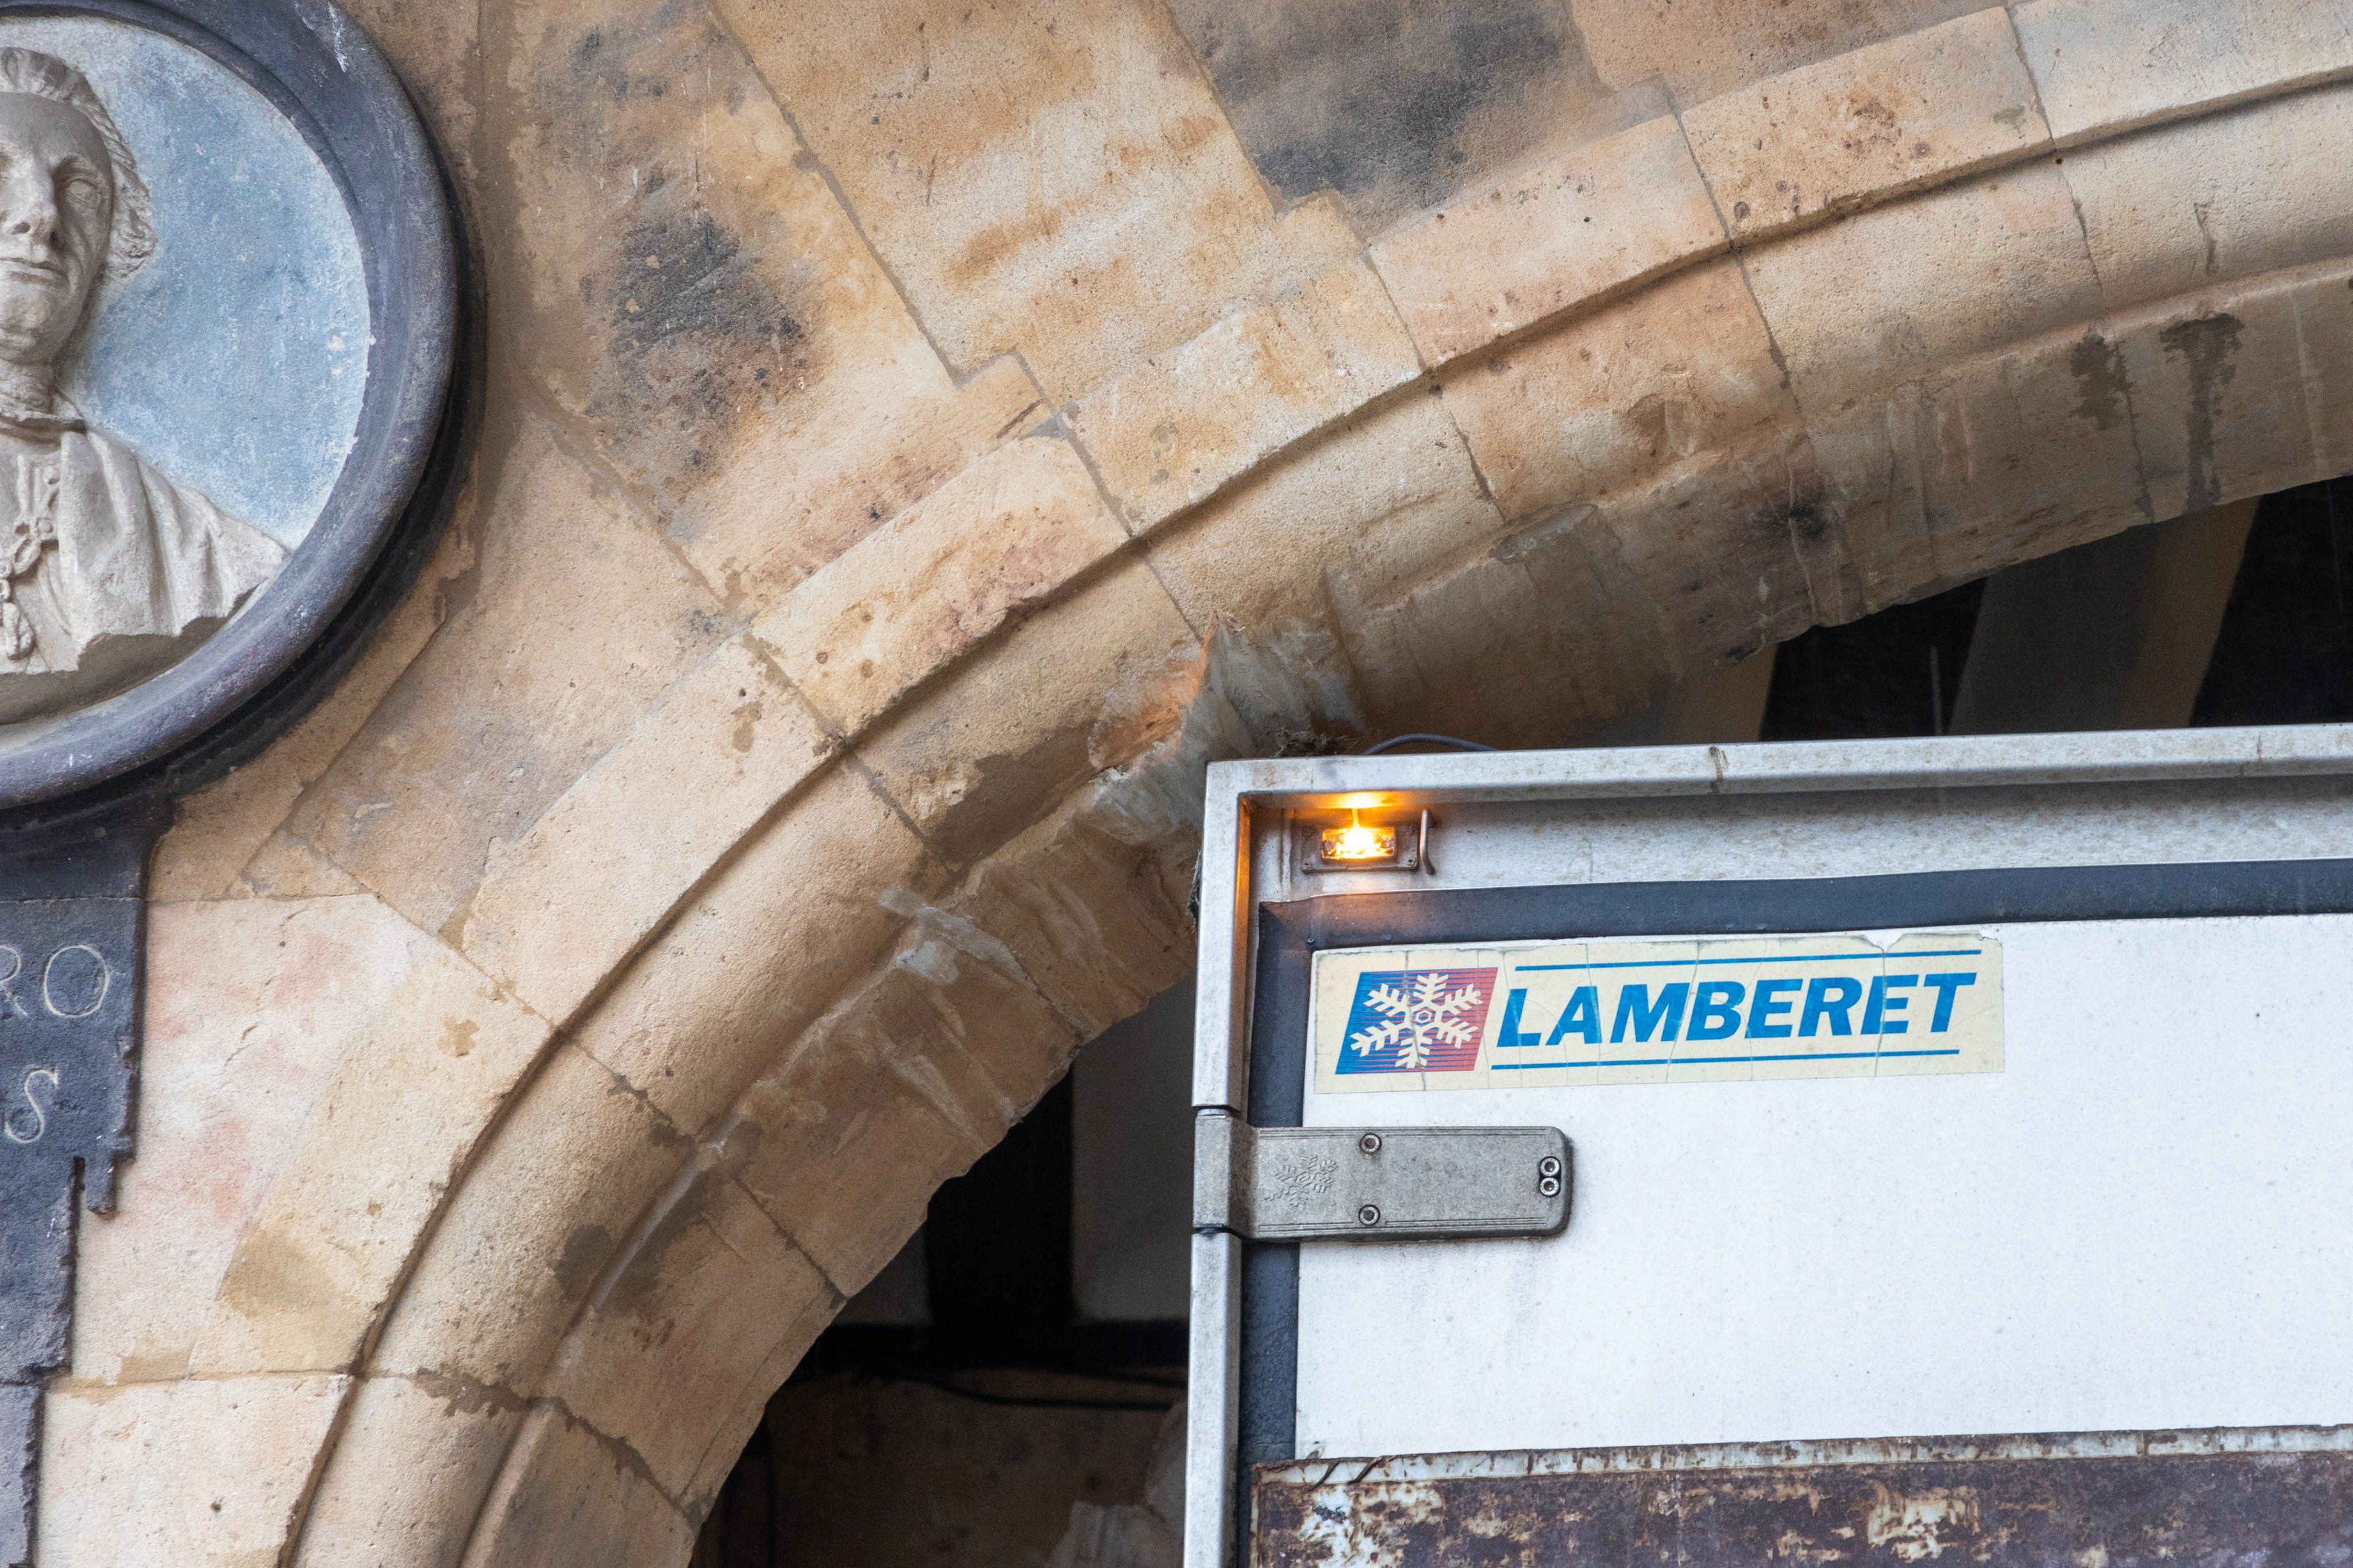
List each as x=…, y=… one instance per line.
x=2138, y=1224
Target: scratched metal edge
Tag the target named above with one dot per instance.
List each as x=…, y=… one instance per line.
x=1505, y=1463
x=1950, y=762
x=2133, y=1500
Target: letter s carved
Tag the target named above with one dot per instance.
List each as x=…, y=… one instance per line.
x=29, y=1115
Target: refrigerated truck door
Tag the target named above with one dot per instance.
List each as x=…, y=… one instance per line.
x=1955, y=1207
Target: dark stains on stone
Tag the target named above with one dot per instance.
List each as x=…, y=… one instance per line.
x=604, y=67
x=585, y=1252
x=1806, y=513
x=1392, y=103
x=1008, y=790
x=698, y=338
x=2210, y=345
x=693, y=315
x=642, y=1274
x=467, y=1395
x=2101, y=386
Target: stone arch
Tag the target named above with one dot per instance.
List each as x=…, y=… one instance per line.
x=795, y=755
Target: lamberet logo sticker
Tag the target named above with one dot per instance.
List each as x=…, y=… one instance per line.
x=1701, y=1009
x=1417, y=1020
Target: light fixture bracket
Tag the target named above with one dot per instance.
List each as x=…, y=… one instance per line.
x=1411, y=854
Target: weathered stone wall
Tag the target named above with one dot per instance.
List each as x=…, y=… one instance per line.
x=920, y=435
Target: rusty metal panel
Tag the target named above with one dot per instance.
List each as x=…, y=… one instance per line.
x=2271, y=1497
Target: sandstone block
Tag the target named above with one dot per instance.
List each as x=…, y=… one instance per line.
x=1993, y=460
x=1864, y=126
x=1085, y=684
x=702, y=301
x=723, y=746
x=1606, y=399
x=574, y=623
x=1605, y=598
x=1371, y=505
x=737, y=1424
x=1558, y=236
x=1755, y=510
x=844, y=1154
x=287, y=867
x=2179, y=209
x=712, y=1295
x=812, y=480
x=376, y=1156
x=1552, y=596
x=1056, y=179
x=683, y=284
x=251, y=1010
x=569, y=1493
x=1396, y=105
x=954, y=1016
x=215, y=831
x=921, y=590
x=2224, y=435
x=1168, y=430
x=797, y=920
x=527, y=1236
x=453, y=1436
x=1701, y=49
x=898, y=1088
x=1948, y=275
x=1091, y=903
x=201, y=1471
x=2103, y=68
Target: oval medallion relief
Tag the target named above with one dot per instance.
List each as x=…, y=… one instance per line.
x=228, y=316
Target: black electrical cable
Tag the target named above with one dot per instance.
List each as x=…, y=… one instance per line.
x=1396, y=740
x=1024, y=1401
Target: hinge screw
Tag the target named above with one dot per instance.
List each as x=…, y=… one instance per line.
x=1369, y=1215
x=1370, y=1143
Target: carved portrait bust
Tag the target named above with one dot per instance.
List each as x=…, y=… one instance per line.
x=109, y=569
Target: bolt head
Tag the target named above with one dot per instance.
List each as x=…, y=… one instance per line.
x=1369, y=1215
x=1549, y=1186
x=1370, y=1143
x=1549, y=1166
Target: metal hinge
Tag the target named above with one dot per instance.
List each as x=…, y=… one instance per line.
x=1297, y=1183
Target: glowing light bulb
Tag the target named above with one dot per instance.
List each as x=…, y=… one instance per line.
x=1359, y=843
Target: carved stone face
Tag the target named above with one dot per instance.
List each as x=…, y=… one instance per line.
x=56, y=204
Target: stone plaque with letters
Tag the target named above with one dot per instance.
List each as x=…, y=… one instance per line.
x=234, y=401
x=69, y=960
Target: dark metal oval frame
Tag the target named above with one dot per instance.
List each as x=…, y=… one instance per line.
x=252, y=678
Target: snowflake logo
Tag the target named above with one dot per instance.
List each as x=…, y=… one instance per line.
x=1417, y=1020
